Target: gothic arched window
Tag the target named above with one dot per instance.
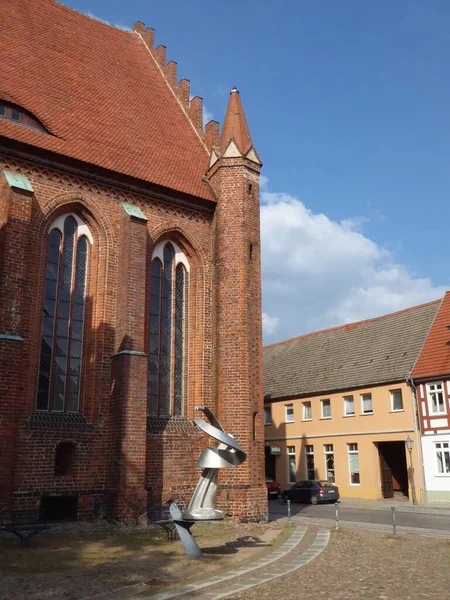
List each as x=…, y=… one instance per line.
x=167, y=333
x=63, y=315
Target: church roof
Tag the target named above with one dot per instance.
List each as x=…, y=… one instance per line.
x=434, y=359
x=371, y=352
x=101, y=94
x=235, y=125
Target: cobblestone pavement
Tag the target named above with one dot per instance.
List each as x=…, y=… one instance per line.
x=367, y=565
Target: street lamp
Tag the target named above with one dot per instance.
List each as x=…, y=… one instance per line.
x=409, y=443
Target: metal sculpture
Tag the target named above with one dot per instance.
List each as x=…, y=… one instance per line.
x=202, y=506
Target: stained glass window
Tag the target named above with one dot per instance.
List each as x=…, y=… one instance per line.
x=167, y=322
x=63, y=319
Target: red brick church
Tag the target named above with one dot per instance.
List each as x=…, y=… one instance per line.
x=129, y=273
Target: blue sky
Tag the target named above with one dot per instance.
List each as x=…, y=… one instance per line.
x=348, y=104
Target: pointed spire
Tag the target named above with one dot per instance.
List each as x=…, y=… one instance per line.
x=235, y=126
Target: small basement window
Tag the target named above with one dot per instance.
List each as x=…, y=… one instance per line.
x=60, y=508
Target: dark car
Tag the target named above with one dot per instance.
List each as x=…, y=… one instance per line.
x=311, y=491
x=273, y=488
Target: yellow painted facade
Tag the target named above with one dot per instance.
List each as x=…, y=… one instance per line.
x=363, y=435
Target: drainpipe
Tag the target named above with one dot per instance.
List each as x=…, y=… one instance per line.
x=418, y=437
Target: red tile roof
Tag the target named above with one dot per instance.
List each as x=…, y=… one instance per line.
x=434, y=358
x=100, y=93
x=235, y=125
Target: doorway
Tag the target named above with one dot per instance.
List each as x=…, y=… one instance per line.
x=393, y=469
x=270, y=463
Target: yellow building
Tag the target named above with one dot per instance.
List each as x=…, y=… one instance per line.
x=338, y=406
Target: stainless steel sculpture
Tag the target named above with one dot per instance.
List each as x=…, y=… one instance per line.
x=202, y=506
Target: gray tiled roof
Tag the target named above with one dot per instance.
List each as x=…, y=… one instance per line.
x=370, y=352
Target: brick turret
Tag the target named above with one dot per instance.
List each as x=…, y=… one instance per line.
x=234, y=175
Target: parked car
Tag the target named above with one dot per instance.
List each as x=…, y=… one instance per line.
x=273, y=488
x=311, y=491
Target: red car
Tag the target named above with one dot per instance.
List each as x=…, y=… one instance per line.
x=273, y=488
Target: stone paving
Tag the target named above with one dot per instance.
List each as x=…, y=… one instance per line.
x=348, y=564
x=367, y=565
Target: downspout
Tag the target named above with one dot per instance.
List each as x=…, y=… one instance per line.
x=418, y=437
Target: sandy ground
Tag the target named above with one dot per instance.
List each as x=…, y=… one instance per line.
x=75, y=561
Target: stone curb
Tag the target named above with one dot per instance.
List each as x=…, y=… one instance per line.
x=374, y=526
x=319, y=544
x=294, y=539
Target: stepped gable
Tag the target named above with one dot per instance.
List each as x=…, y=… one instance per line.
x=105, y=95
x=365, y=353
x=434, y=358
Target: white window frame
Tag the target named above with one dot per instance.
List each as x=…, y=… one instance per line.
x=289, y=413
x=346, y=414
x=322, y=404
x=268, y=411
x=326, y=454
x=353, y=451
x=435, y=384
x=442, y=448
x=309, y=451
x=362, y=404
x=290, y=451
x=306, y=405
x=392, y=392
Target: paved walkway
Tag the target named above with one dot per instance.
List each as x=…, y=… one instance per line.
x=302, y=547
x=426, y=508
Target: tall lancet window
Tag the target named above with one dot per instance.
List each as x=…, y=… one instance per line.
x=63, y=315
x=167, y=334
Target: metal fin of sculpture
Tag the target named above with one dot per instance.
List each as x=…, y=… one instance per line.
x=202, y=506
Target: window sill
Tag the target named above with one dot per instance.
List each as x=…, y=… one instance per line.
x=346, y=416
x=366, y=414
x=324, y=418
x=267, y=424
x=305, y=420
x=396, y=411
x=442, y=475
x=442, y=414
x=287, y=422
x=355, y=484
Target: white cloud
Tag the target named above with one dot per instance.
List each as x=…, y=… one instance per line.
x=269, y=324
x=119, y=25
x=318, y=273
x=207, y=115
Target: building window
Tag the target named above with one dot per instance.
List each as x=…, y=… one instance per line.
x=349, y=406
x=366, y=404
x=167, y=331
x=396, y=400
x=63, y=316
x=443, y=457
x=307, y=411
x=353, y=463
x=267, y=415
x=329, y=463
x=289, y=413
x=292, y=468
x=435, y=395
x=310, y=470
x=326, y=409
x=12, y=112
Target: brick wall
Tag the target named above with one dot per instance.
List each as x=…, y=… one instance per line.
x=122, y=459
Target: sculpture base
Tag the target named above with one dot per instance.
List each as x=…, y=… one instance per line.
x=183, y=523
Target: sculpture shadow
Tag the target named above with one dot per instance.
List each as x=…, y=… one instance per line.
x=247, y=541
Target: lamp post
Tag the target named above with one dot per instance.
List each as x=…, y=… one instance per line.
x=409, y=443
